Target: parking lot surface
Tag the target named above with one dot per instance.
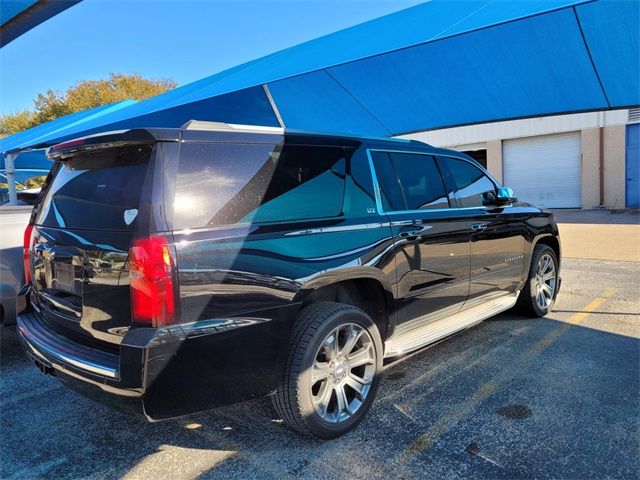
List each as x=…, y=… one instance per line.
x=510, y=398
x=600, y=234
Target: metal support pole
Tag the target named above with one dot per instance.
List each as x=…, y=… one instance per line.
x=9, y=163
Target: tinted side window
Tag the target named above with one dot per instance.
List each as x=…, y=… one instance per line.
x=359, y=198
x=221, y=184
x=308, y=182
x=421, y=181
x=471, y=183
x=390, y=191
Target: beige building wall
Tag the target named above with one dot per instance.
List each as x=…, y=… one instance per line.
x=591, y=168
x=494, y=159
x=614, y=166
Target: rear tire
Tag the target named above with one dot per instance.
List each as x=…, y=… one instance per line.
x=538, y=295
x=332, y=371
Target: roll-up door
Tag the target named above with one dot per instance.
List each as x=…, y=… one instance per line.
x=545, y=170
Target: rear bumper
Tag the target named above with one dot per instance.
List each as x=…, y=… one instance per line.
x=164, y=373
x=51, y=349
x=91, y=372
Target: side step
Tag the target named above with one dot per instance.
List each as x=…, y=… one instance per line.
x=435, y=330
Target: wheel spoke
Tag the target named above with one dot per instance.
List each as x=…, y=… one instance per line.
x=547, y=290
x=319, y=372
x=341, y=396
x=549, y=275
x=323, y=398
x=360, y=357
x=352, y=339
x=356, y=383
x=540, y=299
x=331, y=345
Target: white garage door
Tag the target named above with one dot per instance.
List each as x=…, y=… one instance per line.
x=544, y=170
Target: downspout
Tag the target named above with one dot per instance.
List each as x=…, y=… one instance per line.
x=10, y=170
x=601, y=157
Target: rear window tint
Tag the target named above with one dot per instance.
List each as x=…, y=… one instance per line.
x=221, y=184
x=98, y=191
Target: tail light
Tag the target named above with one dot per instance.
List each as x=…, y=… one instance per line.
x=151, y=269
x=26, y=247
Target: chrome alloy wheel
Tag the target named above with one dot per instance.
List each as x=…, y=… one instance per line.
x=342, y=372
x=545, y=281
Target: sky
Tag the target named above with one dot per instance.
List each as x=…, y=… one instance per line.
x=180, y=40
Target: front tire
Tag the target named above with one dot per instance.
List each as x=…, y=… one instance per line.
x=332, y=372
x=539, y=292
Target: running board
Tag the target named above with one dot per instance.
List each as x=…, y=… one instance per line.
x=433, y=331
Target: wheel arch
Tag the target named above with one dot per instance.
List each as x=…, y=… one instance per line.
x=367, y=291
x=551, y=241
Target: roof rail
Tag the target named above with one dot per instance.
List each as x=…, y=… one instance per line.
x=229, y=127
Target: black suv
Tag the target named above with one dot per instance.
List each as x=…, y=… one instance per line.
x=176, y=270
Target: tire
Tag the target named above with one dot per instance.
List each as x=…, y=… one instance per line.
x=529, y=302
x=301, y=401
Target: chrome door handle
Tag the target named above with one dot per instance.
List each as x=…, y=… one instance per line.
x=409, y=234
x=478, y=227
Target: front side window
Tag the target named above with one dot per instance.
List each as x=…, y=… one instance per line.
x=421, y=181
x=224, y=183
x=473, y=186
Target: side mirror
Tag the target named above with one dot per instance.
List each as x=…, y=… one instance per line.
x=505, y=195
x=502, y=196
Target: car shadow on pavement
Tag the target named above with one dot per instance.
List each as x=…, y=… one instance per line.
x=509, y=398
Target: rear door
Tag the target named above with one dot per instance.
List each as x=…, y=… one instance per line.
x=431, y=242
x=94, y=206
x=497, y=232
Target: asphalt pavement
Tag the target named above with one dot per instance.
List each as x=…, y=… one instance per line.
x=557, y=397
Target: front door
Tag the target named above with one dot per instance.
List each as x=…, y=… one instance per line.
x=431, y=242
x=497, y=233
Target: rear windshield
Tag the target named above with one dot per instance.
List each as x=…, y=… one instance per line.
x=97, y=191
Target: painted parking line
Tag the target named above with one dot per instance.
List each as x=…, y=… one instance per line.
x=427, y=439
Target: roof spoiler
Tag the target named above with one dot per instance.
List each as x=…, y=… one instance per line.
x=113, y=139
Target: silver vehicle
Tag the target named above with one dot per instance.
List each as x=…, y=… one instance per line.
x=13, y=221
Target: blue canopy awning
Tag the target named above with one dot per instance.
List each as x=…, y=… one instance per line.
x=29, y=160
x=439, y=64
x=20, y=16
x=51, y=130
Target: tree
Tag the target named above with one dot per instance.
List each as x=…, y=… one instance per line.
x=16, y=122
x=83, y=95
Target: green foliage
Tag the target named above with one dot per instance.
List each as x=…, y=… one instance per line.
x=83, y=95
x=16, y=122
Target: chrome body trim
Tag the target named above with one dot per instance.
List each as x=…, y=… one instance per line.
x=427, y=332
x=376, y=184
x=54, y=349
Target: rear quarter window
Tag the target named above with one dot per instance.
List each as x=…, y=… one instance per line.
x=223, y=184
